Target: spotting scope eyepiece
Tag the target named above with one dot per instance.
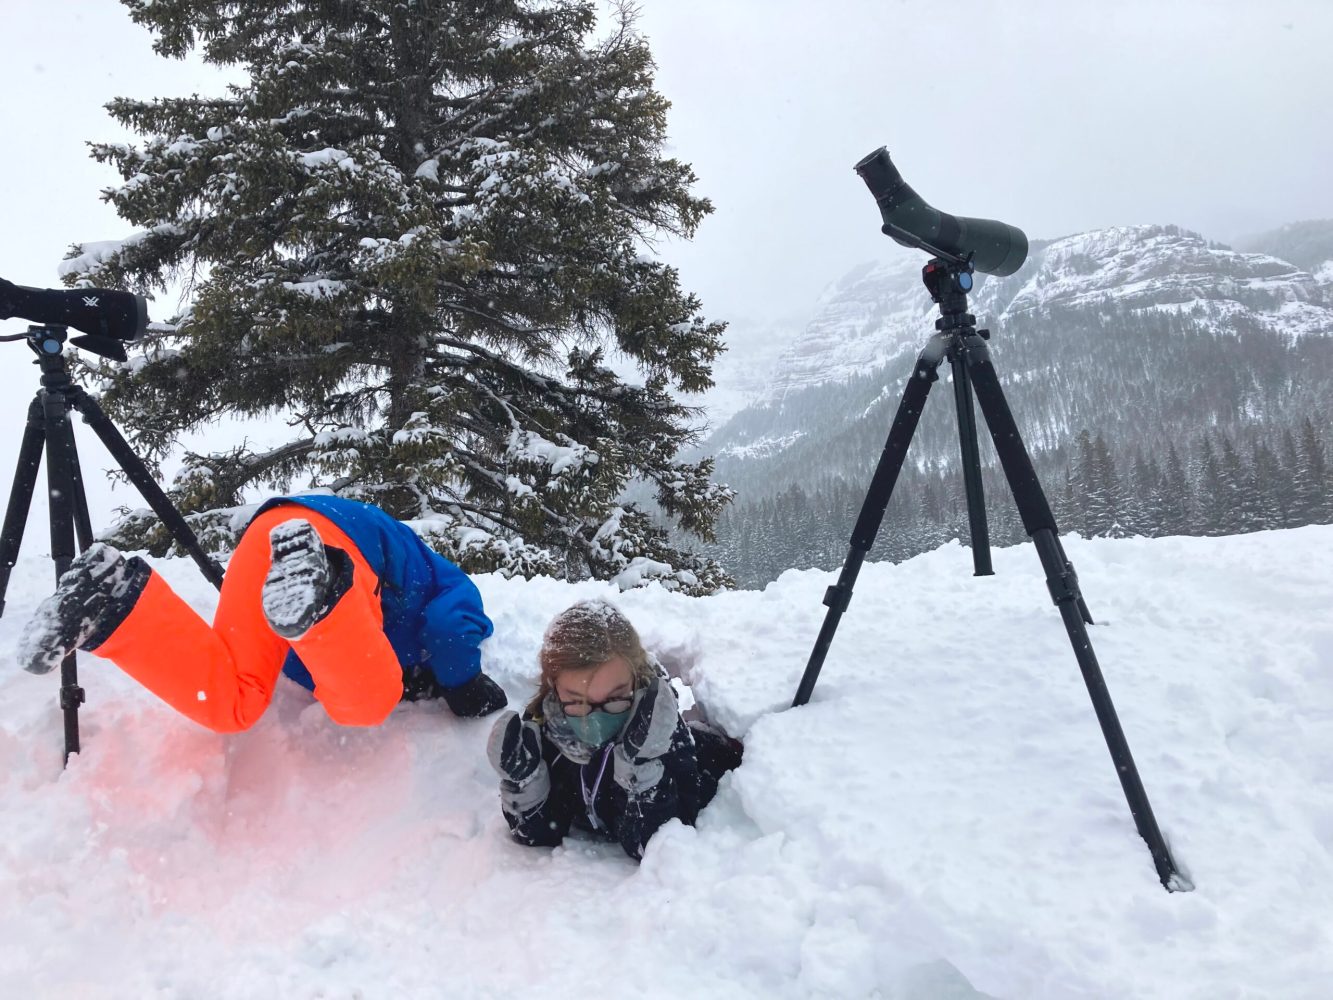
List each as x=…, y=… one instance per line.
x=99, y=312
x=995, y=247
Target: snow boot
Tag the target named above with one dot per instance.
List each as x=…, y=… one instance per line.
x=475, y=698
x=304, y=580
x=92, y=598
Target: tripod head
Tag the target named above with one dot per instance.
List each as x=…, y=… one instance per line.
x=48, y=343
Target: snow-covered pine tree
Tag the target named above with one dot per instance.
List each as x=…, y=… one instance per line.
x=1264, y=487
x=417, y=232
x=1211, y=490
x=1178, y=497
x=1313, y=491
x=1112, y=490
x=1089, y=493
x=1144, y=497
x=1233, y=510
x=1295, y=480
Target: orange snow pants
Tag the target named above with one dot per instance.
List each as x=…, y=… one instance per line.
x=223, y=676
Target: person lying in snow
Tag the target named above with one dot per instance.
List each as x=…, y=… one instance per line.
x=338, y=595
x=603, y=745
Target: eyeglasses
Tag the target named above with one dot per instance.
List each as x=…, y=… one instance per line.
x=612, y=706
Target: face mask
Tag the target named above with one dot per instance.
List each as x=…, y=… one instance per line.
x=597, y=727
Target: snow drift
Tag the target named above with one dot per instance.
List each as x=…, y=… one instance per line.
x=943, y=820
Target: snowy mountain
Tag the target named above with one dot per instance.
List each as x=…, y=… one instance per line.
x=864, y=320
x=1150, y=267
x=1149, y=338
x=942, y=822
x=878, y=316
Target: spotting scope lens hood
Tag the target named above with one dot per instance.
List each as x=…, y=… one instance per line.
x=996, y=247
x=100, y=312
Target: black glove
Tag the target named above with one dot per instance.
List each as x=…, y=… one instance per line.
x=648, y=732
x=515, y=747
x=647, y=736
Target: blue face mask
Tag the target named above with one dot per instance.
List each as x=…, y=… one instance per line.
x=597, y=727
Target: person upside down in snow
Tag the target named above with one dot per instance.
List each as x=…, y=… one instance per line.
x=603, y=745
x=336, y=594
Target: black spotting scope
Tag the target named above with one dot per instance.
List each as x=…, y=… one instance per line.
x=996, y=247
x=100, y=312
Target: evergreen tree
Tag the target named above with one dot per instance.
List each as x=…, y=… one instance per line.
x=1179, y=506
x=1111, y=490
x=1145, y=497
x=1265, y=487
x=1233, y=511
x=1312, y=497
x=1210, y=490
x=414, y=232
x=1089, y=487
x=1294, y=477
x=1063, y=505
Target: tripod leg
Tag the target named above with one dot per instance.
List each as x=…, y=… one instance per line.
x=967, y=439
x=60, y=462
x=20, y=495
x=1083, y=611
x=876, y=502
x=134, y=468
x=83, y=526
x=1032, y=504
x=1063, y=585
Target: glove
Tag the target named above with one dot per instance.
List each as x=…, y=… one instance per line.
x=515, y=747
x=515, y=751
x=636, y=766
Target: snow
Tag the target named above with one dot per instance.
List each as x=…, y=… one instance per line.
x=327, y=156
x=96, y=253
x=763, y=446
x=317, y=288
x=941, y=822
x=529, y=446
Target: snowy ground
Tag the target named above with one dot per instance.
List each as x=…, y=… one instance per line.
x=942, y=822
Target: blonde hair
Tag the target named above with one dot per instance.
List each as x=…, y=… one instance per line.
x=585, y=636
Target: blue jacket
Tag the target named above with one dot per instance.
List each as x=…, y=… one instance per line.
x=432, y=612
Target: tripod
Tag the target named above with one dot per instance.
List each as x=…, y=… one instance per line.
x=49, y=426
x=948, y=278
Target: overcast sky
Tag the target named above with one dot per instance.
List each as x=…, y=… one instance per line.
x=1053, y=116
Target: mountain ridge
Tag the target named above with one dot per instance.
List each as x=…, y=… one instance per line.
x=1148, y=345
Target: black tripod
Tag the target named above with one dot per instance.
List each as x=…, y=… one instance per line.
x=948, y=279
x=49, y=425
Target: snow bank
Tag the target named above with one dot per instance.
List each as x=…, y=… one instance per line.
x=942, y=821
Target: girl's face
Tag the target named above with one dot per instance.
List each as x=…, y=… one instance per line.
x=603, y=687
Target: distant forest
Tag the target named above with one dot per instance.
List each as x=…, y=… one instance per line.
x=1215, y=485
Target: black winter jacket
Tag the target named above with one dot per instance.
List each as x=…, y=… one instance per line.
x=578, y=798
x=618, y=791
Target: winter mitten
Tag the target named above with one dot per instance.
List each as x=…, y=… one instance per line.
x=515, y=751
x=636, y=762
x=420, y=684
x=92, y=598
x=475, y=698
x=304, y=579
